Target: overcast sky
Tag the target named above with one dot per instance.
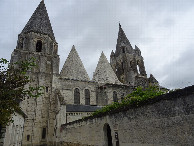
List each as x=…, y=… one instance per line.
x=162, y=29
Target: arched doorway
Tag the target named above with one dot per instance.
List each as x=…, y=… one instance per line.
x=107, y=135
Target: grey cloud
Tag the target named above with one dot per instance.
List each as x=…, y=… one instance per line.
x=180, y=72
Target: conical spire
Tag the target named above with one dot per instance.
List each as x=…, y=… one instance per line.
x=39, y=22
x=104, y=72
x=73, y=67
x=122, y=41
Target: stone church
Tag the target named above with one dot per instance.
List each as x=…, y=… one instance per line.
x=70, y=94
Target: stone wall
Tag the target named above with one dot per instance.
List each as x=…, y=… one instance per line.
x=164, y=120
x=14, y=132
x=105, y=93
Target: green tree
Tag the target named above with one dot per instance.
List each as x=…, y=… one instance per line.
x=14, y=87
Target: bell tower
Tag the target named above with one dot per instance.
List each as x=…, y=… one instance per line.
x=37, y=40
x=127, y=62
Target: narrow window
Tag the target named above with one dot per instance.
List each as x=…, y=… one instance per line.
x=39, y=46
x=76, y=96
x=28, y=137
x=46, y=89
x=138, y=69
x=87, y=97
x=115, y=99
x=43, y=133
x=21, y=43
x=122, y=66
x=123, y=49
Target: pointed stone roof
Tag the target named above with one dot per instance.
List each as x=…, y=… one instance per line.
x=73, y=67
x=104, y=72
x=153, y=80
x=122, y=40
x=39, y=22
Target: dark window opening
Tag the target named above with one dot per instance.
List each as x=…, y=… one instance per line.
x=43, y=133
x=123, y=49
x=46, y=89
x=122, y=64
x=76, y=96
x=39, y=46
x=87, y=97
x=21, y=44
x=28, y=137
x=115, y=99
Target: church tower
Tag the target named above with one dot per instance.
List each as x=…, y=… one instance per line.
x=37, y=40
x=127, y=62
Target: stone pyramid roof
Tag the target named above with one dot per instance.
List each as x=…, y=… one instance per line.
x=73, y=67
x=122, y=40
x=104, y=72
x=39, y=22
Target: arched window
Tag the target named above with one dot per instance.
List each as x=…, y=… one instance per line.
x=39, y=46
x=76, y=96
x=115, y=99
x=87, y=97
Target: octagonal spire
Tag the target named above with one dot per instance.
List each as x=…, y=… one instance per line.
x=39, y=22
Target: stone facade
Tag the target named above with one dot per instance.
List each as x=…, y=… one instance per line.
x=127, y=62
x=72, y=86
x=164, y=120
x=14, y=131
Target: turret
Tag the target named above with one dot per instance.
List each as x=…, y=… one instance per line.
x=37, y=40
x=127, y=62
